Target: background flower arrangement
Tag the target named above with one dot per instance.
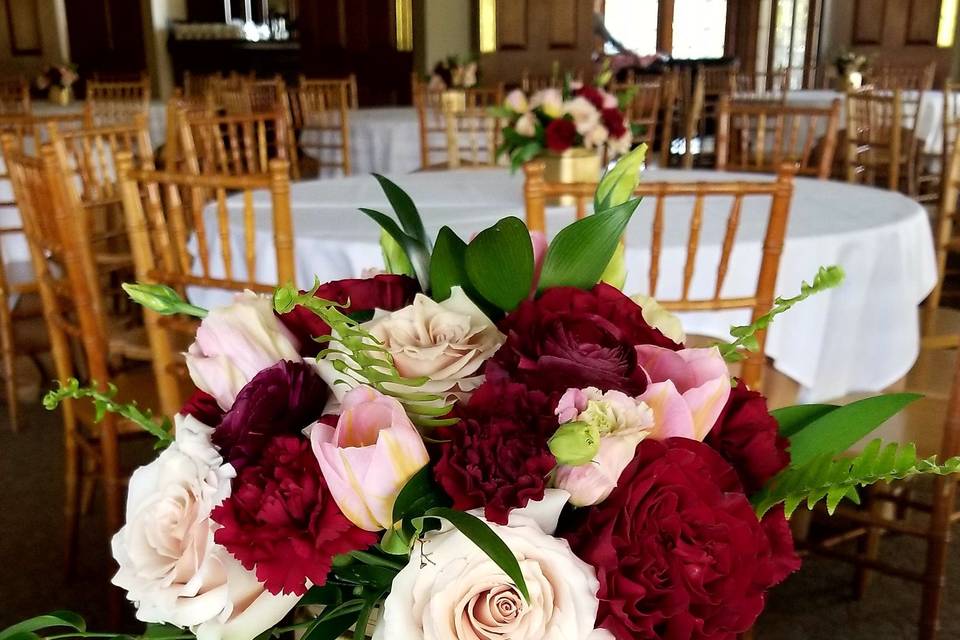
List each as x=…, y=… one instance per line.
x=60, y=76
x=473, y=455
x=454, y=73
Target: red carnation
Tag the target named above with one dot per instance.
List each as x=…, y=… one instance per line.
x=574, y=338
x=282, y=522
x=203, y=407
x=497, y=455
x=386, y=291
x=593, y=95
x=678, y=550
x=282, y=399
x=748, y=437
x=561, y=134
x=614, y=121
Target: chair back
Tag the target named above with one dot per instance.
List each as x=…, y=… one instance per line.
x=473, y=135
x=235, y=145
x=14, y=96
x=671, y=108
x=759, y=301
x=874, y=148
x=694, y=123
x=951, y=119
x=890, y=77
x=944, y=239
x=761, y=136
x=767, y=86
x=199, y=85
x=432, y=123
x=180, y=238
x=643, y=110
x=321, y=116
x=114, y=103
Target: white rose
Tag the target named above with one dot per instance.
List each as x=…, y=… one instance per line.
x=526, y=125
x=169, y=564
x=550, y=101
x=235, y=343
x=621, y=145
x=446, y=341
x=660, y=318
x=451, y=590
x=584, y=114
x=516, y=101
x=596, y=137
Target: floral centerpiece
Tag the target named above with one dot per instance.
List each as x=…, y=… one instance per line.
x=850, y=68
x=452, y=73
x=58, y=81
x=489, y=442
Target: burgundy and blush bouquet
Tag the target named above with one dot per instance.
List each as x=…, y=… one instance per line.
x=490, y=442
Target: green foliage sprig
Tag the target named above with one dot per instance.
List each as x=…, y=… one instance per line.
x=825, y=477
x=162, y=299
x=745, y=337
x=362, y=359
x=103, y=403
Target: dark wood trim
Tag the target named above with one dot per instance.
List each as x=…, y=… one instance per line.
x=526, y=29
x=665, y=27
x=15, y=49
x=857, y=19
x=929, y=42
x=565, y=46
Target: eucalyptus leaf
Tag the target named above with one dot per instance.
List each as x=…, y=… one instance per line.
x=447, y=264
x=499, y=263
x=59, y=618
x=836, y=431
x=580, y=252
x=405, y=209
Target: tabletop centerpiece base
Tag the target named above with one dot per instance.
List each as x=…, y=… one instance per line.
x=571, y=166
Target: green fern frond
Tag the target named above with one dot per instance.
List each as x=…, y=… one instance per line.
x=834, y=479
x=361, y=359
x=103, y=403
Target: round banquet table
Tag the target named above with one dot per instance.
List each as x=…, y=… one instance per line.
x=862, y=336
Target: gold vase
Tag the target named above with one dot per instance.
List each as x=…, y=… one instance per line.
x=573, y=165
x=60, y=95
x=454, y=101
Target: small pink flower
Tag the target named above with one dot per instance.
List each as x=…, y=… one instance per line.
x=610, y=101
x=373, y=451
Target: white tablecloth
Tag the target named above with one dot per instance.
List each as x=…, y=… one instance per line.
x=861, y=337
x=382, y=140
x=929, y=125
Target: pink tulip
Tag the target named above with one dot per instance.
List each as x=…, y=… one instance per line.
x=687, y=392
x=539, y=241
x=370, y=455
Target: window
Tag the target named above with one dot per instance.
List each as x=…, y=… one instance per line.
x=699, y=28
x=784, y=30
x=633, y=23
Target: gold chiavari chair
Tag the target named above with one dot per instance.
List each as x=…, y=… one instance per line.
x=905, y=77
x=164, y=212
x=671, y=90
x=432, y=124
x=766, y=86
x=874, y=145
x=14, y=96
x=780, y=191
x=643, y=110
x=72, y=307
x=947, y=243
x=932, y=166
x=761, y=136
x=200, y=85
x=234, y=145
x=265, y=96
x=118, y=102
x=693, y=122
x=179, y=106
x=705, y=88
x=321, y=116
x=473, y=135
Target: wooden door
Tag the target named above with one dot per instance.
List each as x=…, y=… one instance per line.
x=536, y=35
x=106, y=35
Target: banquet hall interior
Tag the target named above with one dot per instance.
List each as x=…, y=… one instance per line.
x=216, y=146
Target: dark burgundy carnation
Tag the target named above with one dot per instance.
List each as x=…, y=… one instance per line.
x=574, y=338
x=497, y=455
x=592, y=94
x=282, y=399
x=203, y=407
x=386, y=291
x=281, y=521
x=747, y=436
x=614, y=121
x=678, y=550
x=560, y=134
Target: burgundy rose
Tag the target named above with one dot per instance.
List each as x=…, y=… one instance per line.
x=203, y=407
x=678, y=550
x=281, y=521
x=614, y=121
x=282, y=399
x=386, y=291
x=574, y=338
x=561, y=134
x=748, y=437
x=592, y=94
x=497, y=455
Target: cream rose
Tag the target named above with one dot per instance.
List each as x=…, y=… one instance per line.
x=451, y=590
x=584, y=114
x=169, y=564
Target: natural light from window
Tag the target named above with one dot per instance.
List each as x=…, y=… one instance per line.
x=699, y=28
x=633, y=23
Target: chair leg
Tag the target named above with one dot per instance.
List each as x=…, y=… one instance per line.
x=9, y=359
x=71, y=504
x=944, y=494
x=88, y=485
x=869, y=545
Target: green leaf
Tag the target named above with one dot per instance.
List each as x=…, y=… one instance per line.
x=792, y=419
x=395, y=258
x=824, y=477
x=370, y=602
x=366, y=575
x=480, y=533
x=617, y=184
x=447, y=264
x=53, y=619
x=161, y=631
x=615, y=273
x=333, y=626
x=405, y=209
x=835, y=432
x=580, y=253
x=327, y=594
x=162, y=299
x=416, y=251
x=499, y=263
x=418, y=495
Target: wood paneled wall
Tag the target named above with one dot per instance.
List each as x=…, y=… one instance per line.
x=534, y=34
